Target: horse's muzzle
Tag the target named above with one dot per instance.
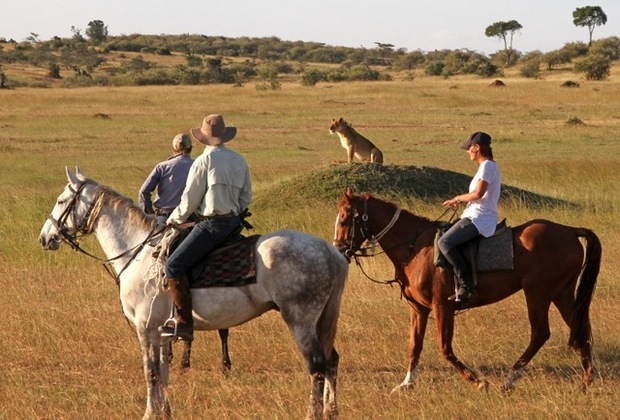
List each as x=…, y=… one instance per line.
x=49, y=244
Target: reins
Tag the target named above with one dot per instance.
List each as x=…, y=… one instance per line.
x=362, y=252
x=86, y=226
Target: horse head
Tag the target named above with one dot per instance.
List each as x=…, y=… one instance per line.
x=351, y=230
x=70, y=215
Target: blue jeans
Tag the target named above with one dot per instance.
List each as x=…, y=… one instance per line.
x=461, y=232
x=203, y=238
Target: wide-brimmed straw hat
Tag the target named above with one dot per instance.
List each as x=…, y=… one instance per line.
x=213, y=131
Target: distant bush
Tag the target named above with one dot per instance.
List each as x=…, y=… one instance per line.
x=595, y=67
x=607, y=47
x=434, y=68
x=310, y=77
x=530, y=64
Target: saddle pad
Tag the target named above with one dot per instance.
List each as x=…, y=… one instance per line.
x=230, y=266
x=496, y=252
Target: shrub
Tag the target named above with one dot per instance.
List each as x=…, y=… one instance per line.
x=595, y=67
x=310, y=77
x=531, y=68
x=434, y=68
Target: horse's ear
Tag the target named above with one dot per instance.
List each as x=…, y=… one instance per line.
x=76, y=178
x=79, y=174
x=71, y=177
x=349, y=192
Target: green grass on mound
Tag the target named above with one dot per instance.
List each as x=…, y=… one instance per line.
x=400, y=183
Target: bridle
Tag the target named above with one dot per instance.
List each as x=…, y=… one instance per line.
x=355, y=248
x=66, y=235
x=85, y=226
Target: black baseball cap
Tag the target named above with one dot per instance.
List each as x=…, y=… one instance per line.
x=478, y=137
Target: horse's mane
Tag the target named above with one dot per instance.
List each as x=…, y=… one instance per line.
x=106, y=195
x=393, y=207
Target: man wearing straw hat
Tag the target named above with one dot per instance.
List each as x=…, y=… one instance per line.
x=218, y=189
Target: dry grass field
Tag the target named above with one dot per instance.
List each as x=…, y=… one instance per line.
x=68, y=353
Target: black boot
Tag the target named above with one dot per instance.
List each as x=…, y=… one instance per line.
x=466, y=290
x=466, y=287
x=182, y=325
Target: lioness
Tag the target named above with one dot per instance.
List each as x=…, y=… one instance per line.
x=356, y=144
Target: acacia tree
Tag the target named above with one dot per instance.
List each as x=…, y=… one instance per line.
x=97, y=31
x=504, y=31
x=589, y=16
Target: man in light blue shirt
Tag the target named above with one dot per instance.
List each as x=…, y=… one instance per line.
x=218, y=189
x=169, y=178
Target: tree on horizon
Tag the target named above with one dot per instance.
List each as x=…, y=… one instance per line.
x=504, y=31
x=589, y=16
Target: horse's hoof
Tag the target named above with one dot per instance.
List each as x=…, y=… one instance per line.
x=507, y=389
x=405, y=387
x=483, y=385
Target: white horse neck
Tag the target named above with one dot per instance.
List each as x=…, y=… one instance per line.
x=118, y=231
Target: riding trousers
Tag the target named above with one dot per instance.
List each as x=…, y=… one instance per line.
x=204, y=237
x=461, y=232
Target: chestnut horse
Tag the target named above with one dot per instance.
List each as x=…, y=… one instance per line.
x=549, y=266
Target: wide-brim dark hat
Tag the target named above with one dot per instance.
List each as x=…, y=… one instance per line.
x=213, y=131
x=478, y=137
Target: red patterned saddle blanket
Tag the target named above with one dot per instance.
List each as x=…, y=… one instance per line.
x=232, y=265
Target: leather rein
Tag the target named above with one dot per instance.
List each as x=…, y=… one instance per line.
x=357, y=251
x=85, y=227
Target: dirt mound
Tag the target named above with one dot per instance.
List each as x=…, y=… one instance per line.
x=399, y=183
x=497, y=83
x=569, y=83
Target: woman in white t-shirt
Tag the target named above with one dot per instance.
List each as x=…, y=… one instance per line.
x=480, y=215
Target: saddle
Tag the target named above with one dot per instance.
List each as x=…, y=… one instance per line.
x=231, y=264
x=495, y=253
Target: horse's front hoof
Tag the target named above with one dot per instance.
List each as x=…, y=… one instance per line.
x=482, y=385
x=404, y=387
x=508, y=388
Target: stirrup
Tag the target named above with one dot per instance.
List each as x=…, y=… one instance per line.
x=169, y=329
x=463, y=294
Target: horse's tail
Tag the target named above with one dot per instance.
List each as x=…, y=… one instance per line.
x=580, y=330
x=329, y=317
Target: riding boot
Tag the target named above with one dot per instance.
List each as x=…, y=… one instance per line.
x=466, y=289
x=462, y=273
x=182, y=325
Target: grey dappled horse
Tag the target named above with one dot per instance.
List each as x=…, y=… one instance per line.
x=300, y=275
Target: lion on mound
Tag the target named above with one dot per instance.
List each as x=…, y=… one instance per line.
x=355, y=144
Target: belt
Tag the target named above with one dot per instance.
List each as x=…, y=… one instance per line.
x=218, y=216
x=163, y=212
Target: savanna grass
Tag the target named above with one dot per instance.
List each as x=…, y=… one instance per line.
x=68, y=352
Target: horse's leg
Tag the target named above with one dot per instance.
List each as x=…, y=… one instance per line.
x=538, y=314
x=444, y=320
x=305, y=335
x=565, y=304
x=226, y=364
x=187, y=352
x=330, y=408
x=418, y=321
x=166, y=360
x=157, y=403
x=316, y=362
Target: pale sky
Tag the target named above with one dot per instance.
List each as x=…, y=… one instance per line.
x=424, y=25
